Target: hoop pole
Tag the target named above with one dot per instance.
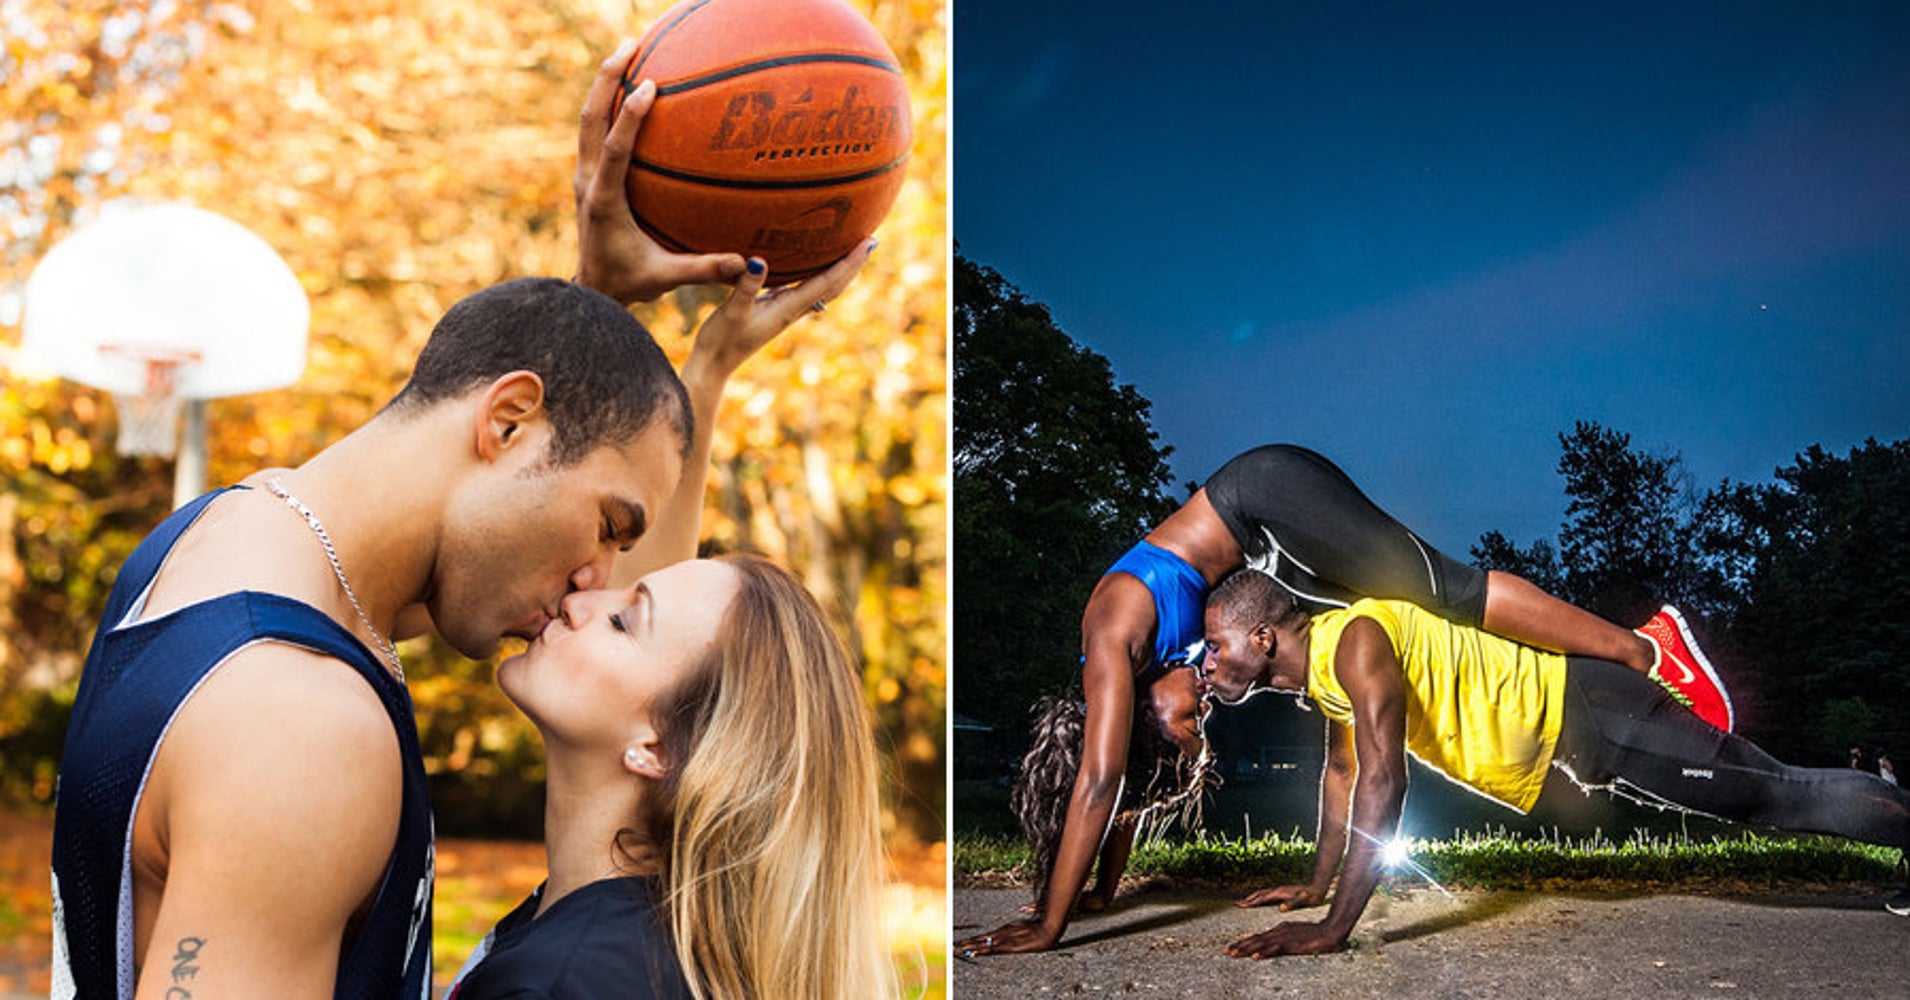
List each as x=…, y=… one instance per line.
x=189, y=472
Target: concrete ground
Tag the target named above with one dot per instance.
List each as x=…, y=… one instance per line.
x=1513, y=945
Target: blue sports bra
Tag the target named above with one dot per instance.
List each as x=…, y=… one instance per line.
x=1180, y=595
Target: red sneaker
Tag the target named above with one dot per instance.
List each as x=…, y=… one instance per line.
x=1684, y=671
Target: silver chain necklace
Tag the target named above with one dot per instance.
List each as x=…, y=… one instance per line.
x=391, y=651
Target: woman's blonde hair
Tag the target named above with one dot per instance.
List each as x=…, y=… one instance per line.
x=770, y=817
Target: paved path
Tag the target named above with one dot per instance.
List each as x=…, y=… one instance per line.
x=1166, y=943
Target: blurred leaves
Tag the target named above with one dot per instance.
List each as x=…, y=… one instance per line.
x=400, y=155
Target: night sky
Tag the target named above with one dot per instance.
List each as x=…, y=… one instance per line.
x=1426, y=238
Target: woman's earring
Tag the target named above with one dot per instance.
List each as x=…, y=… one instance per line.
x=638, y=760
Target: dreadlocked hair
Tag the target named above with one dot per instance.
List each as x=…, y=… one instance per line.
x=1160, y=789
x=1046, y=783
x=1171, y=786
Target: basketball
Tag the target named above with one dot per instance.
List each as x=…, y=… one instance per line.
x=779, y=131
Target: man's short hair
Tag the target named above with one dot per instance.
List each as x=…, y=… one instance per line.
x=1249, y=597
x=605, y=378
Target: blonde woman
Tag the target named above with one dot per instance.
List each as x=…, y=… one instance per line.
x=712, y=818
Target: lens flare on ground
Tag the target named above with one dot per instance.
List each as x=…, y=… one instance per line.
x=1396, y=853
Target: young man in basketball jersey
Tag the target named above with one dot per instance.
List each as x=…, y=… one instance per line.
x=1294, y=516
x=1494, y=715
x=242, y=808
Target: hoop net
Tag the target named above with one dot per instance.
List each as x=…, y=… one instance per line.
x=149, y=419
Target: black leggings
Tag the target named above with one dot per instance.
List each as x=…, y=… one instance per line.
x=1623, y=733
x=1302, y=521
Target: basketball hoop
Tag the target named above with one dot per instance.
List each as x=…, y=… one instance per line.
x=149, y=418
x=165, y=307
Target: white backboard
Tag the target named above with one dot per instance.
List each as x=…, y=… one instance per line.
x=173, y=278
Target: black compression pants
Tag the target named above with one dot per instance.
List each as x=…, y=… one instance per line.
x=1622, y=732
x=1302, y=521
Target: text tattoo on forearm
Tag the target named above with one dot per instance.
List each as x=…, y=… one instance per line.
x=185, y=967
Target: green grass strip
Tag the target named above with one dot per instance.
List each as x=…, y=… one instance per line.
x=1491, y=861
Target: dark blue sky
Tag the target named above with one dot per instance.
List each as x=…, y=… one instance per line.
x=1426, y=238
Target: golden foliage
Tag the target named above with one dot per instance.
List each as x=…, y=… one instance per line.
x=400, y=154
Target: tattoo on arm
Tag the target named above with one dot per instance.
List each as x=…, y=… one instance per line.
x=185, y=967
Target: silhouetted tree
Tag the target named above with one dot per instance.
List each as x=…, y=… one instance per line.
x=1814, y=570
x=1057, y=471
x=1797, y=586
x=1625, y=544
x=1538, y=563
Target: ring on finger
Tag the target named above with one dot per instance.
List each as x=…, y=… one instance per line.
x=818, y=306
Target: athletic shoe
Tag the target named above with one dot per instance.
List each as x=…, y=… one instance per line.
x=1684, y=671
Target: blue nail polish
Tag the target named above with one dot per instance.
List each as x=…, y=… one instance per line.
x=755, y=266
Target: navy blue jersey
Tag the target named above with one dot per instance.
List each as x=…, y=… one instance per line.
x=137, y=677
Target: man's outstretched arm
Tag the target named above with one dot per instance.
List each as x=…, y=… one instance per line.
x=1370, y=673
x=1336, y=794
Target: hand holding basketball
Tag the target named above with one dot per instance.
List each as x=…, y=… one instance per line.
x=614, y=255
x=750, y=317
x=782, y=131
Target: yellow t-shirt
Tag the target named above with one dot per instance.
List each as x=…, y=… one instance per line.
x=1480, y=709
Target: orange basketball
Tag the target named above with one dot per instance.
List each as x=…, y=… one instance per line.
x=780, y=131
